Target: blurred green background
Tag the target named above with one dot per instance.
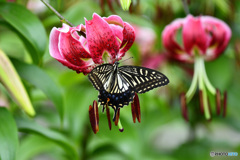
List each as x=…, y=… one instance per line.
x=61, y=129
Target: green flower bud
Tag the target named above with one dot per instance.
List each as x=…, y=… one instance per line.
x=125, y=4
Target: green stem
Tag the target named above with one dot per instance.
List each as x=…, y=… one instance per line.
x=57, y=13
x=185, y=6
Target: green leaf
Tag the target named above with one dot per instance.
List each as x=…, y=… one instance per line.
x=78, y=98
x=223, y=5
x=41, y=80
x=12, y=82
x=41, y=145
x=86, y=8
x=8, y=135
x=32, y=127
x=27, y=26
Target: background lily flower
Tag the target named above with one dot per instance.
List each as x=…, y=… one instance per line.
x=145, y=43
x=204, y=38
x=107, y=39
x=207, y=35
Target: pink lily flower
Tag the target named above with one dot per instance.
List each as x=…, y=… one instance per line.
x=106, y=40
x=204, y=38
x=206, y=34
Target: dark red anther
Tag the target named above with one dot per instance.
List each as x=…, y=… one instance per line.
x=184, y=106
x=225, y=104
x=94, y=117
x=102, y=6
x=118, y=3
x=137, y=107
x=95, y=105
x=218, y=102
x=117, y=117
x=108, y=117
x=133, y=112
x=111, y=6
x=136, y=112
x=201, y=101
x=131, y=8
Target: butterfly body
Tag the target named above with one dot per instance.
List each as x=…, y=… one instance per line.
x=118, y=85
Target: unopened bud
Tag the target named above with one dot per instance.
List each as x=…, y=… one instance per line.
x=125, y=4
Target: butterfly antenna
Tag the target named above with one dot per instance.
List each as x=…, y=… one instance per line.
x=126, y=59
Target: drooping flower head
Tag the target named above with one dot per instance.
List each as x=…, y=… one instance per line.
x=106, y=40
x=204, y=38
x=207, y=35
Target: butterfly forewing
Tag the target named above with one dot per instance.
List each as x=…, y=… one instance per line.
x=100, y=75
x=142, y=79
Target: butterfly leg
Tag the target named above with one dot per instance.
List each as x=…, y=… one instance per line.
x=116, y=113
x=117, y=117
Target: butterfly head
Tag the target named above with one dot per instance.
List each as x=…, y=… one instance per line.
x=116, y=63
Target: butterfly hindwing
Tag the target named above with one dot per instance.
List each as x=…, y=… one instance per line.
x=142, y=79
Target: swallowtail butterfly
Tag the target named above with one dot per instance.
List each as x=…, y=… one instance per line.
x=117, y=85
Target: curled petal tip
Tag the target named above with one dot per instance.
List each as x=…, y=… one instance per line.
x=128, y=38
x=95, y=14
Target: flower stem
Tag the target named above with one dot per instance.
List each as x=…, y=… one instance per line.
x=58, y=14
x=185, y=7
